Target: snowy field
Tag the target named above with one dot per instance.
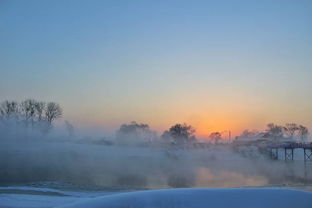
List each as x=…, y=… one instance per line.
x=31, y=197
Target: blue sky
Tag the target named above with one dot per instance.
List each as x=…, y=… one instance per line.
x=215, y=64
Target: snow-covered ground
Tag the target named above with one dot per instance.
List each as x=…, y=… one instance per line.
x=31, y=197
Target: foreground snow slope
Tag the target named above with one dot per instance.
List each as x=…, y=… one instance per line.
x=202, y=198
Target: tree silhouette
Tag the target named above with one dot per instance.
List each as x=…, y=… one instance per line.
x=135, y=133
x=215, y=136
x=274, y=130
x=53, y=111
x=180, y=133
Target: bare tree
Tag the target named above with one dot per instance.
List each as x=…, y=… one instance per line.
x=69, y=128
x=9, y=110
x=303, y=132
x=290, y=129
x=28, y=111
x=53, y=111
x=40, y=107
x=215, y=137
x=274, y=130
x=249, y=133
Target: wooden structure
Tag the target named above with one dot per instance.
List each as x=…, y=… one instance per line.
x=289, y=151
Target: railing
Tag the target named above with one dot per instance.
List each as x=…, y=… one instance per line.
x=291, y=145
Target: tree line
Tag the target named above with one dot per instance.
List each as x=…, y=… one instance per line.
x=135, y=132
x=30, y=113
x=290, y=130
x=275, y=131
x=184, y=133
x=38, y=114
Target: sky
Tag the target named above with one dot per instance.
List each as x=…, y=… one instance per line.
x=217, y=65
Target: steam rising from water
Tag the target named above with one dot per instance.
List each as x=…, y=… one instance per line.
x=38, y=158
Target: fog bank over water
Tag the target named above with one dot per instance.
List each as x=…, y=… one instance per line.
x=34, y=157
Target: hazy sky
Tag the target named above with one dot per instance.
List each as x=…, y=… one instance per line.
x=217, y=65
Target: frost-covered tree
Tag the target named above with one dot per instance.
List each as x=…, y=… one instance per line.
x=53, y=111
x=40, y=108
x=9, y=110
x=274, y=130
x=290, y=129
x=303, y=132
x=28, y=111
x=134, y=133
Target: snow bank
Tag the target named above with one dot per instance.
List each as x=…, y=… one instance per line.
x=202, y=198
x=50, y=191
x=34, y=201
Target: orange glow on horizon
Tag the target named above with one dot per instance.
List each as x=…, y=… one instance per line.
x=205, y=128
x=204, y=125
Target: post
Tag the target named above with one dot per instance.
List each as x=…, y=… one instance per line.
x=276, y=151
x=307, y=156
x=274, y=154
x=289, y=155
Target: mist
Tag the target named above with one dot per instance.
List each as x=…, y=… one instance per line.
x=31, y=156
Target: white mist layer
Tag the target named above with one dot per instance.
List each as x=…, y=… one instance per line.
x=142, y=167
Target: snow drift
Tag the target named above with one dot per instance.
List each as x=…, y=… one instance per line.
x=200, y=198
